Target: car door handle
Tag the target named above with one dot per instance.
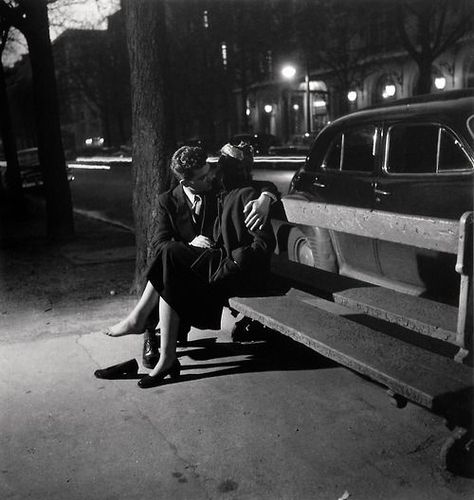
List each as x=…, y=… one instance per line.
x=318, y=184
x=380, y=191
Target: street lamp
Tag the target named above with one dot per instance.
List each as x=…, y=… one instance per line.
x=288, y=71
x=389, y=90
x=440, y=82
x=352, y=95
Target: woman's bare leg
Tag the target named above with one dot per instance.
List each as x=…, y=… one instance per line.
x=169, y=324
x=135, y=322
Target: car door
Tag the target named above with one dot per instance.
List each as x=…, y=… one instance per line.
x=426, y=172
x=343, y=174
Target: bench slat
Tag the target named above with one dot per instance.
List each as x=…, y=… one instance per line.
x=419, y=375
x=423, y=232
x=421, y=315
x=427, y=317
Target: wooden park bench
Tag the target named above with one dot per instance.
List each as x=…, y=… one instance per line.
x=332, y=318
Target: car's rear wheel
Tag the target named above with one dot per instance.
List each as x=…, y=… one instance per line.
x=312, y=246
x=299, y=249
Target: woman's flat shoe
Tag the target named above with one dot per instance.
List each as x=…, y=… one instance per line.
x=118, y=371
x=152, y=381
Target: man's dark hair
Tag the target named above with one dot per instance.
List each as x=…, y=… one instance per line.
x=186, y=160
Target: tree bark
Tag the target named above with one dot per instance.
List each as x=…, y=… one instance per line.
x=423, y=85
x=60, y=223
x=152, y=125
x=13, y=187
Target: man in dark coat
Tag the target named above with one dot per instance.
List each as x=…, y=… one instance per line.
x=192, y=284
x=178, y=221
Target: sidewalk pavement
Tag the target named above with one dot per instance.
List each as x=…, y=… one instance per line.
x=263, y=420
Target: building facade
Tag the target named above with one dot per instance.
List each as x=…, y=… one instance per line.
x=297, y=100
x=281, y=67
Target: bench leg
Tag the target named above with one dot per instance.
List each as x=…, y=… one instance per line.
x=457, y=453
x=465, y=324
x=464, y=336
x=397, y=400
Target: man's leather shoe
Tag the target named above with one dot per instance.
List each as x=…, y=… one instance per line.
x=247, y=330
x=182, y=339
x=183, y=334
x=122, y=370
x=151, y=353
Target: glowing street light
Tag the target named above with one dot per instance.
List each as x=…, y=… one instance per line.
x=352, y=95
x=289, y=71
x=389, y=90
x=440, y=82
x=268, y=108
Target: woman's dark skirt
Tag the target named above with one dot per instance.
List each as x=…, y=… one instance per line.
x=197, y=303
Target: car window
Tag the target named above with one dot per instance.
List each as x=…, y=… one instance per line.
x=423, y=149
x=451, y=155
x=412, y=149
x=352, y=150
x=333, y=156
x=470, y=125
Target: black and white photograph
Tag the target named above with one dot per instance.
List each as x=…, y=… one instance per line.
x=236, y=249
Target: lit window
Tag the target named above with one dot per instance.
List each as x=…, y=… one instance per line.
x=440, y=82
x=389, y=90
x=205, y=19
x=224, y=54
x=352, y=95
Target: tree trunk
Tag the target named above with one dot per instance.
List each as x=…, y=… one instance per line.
x=152, y=126
x=423, y=85
x=60, y=223
x=14, y=190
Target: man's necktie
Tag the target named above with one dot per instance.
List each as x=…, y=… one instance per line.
x=196, y=207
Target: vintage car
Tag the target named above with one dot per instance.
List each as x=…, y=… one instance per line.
x=30, y=169
x=414, y=156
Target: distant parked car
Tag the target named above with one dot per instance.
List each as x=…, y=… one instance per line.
x=414, y=156
x=91, y=151
x=288, y=150
x=261, y=142
x=30, y=169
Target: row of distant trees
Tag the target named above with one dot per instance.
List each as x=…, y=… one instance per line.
x=30, y=17
x=171, y=56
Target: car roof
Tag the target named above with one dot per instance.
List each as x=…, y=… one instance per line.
x=420, y=99
x=452, y=106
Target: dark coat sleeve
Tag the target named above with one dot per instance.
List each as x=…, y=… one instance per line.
x=261, y=186
x=173, y=219
x=249, y=249
x=165, y=230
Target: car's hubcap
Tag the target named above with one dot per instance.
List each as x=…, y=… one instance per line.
x=303, y=252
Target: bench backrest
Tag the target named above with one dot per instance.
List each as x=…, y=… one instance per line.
x=443, y=235
x=423, y=232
